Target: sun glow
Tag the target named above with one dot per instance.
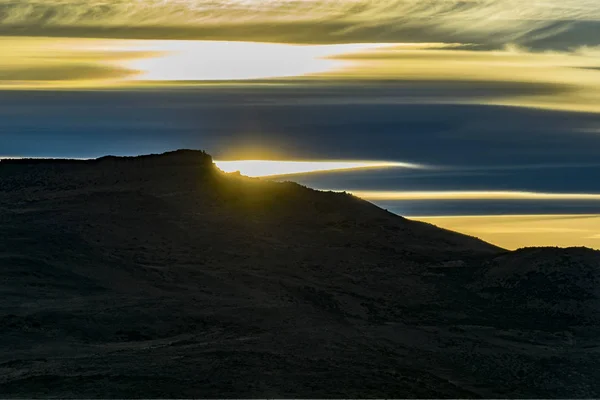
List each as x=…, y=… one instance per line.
x=31, y=62
x=186, y=60
x=261, y=168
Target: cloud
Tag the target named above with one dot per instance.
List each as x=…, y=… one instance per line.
x=442, y=73
x=471, y=195
x=515, y=231
x=64, y=73
x=261, y=168
x=576, y=75
x=47, y=62
x=548, y=24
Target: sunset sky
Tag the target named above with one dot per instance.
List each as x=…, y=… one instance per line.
x=477, y=115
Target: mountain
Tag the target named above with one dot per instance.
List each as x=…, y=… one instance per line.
x=161, y=276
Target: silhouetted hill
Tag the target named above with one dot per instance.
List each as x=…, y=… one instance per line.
x=548, y=282
x=161, y=276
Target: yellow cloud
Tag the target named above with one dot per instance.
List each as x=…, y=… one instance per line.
x=577, y=74
x=300, y=21
x=565, y=81
x=55, y=63
x=516, y=231
x=47, y=62
x=471, y=195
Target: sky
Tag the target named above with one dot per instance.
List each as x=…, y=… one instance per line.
x=481, y=116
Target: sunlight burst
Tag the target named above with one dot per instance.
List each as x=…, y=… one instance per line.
x=258, y=168
x=185, y=60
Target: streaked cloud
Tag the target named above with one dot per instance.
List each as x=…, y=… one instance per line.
x=567, y=23
x=576, y=71
x=516, y=231
x=46, y=62
x=263, y=168
x=53, y=63
x=554, y=80
x=471, y=195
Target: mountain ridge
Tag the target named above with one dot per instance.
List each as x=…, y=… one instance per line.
x=150, y=277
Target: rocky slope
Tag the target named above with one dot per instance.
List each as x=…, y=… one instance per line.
x=160, y=276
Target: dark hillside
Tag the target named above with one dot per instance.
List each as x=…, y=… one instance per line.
x=161, y=276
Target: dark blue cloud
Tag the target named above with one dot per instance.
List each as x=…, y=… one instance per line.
x=389, y=123
x=471, y=147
